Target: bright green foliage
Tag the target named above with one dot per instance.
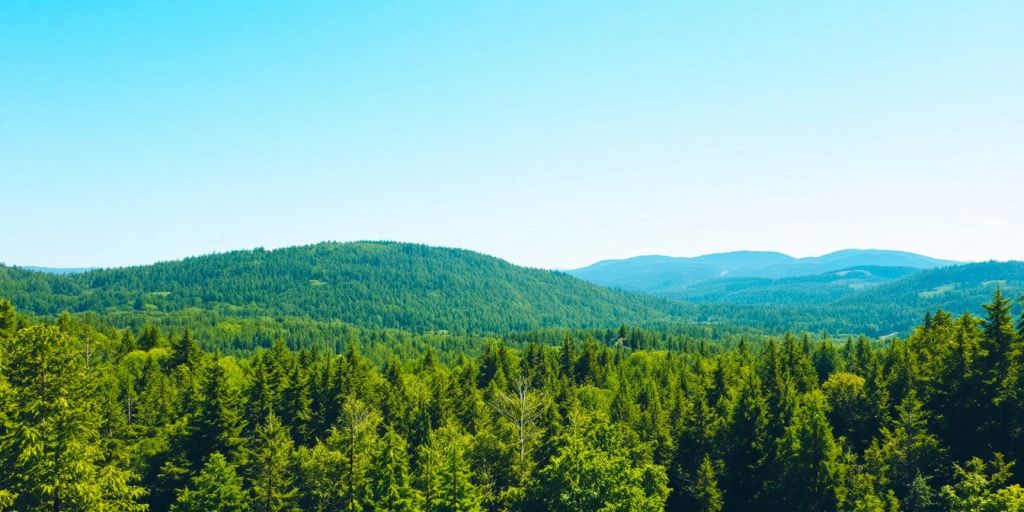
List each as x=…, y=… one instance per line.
x=50, y=440
x=594, y=469
x=217, y=487
x=447, y=476
x=808, y=458
x=709, y=497
x=392, y=487
x=606, y=419
x=273, y=484
x=981, y=487
x=8, y=319
x=356, y=440
x=317, y=469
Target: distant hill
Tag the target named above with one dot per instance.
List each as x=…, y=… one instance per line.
x=373, y=284
x=956, y=289
x=665, y=275
x=54, y=270
x=802, y=290
x=846, y=303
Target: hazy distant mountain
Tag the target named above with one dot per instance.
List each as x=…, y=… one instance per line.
x=665, y=275
x=861, y=300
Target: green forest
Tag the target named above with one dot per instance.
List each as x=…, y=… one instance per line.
x=98, y=417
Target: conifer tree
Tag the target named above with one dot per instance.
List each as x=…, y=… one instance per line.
x=392, y=488
x=217, y=487
x=448, y=475
x=709, y=497
x=745, y=446
x=217, y=424
x=8, y=320
x=297, y=403
x=50, y=441
x=185, y=352
x=808, y=459
x=273, y=484
x=356, y=440
x=906, y=450
x=149, y=338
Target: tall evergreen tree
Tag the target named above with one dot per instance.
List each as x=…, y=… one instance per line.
x=356, y=440
x=217, y=487
x=448, y=473
x=273, y=484
x=808, y=459
x=709, y=497
x=392, y=487
x=50, y=444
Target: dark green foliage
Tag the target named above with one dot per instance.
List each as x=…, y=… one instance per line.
x=619, y=418
x=371, y=284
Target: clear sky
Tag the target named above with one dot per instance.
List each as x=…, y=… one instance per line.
x=550, y=134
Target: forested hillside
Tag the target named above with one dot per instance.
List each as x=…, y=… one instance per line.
x=624, y=419
x=665, y=275
x=371, y=284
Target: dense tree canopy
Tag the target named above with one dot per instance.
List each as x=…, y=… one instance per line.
x=95, y=417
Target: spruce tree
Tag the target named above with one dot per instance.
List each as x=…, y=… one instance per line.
x=50, y=442
x=272, y=481
x=217, y=487
x=808, y=459
x=709, y=497
x=185, y=352
x=356, y=440
x=450, y=478
x=392, y=488
x=217, y=424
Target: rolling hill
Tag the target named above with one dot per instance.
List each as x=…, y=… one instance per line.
x=373, y=284
x=665, y=275
x=802, y=290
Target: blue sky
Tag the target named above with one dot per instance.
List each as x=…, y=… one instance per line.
x=551, y=134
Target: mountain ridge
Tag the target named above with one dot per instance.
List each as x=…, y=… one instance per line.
x=663, y=275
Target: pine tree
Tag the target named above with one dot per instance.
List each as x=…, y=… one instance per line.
x=356, y=440
x=217, y=487
x=392, y=489
x=449, y=477
x=8, y=320
x=745, y=446
x=273, y=484
x=51, y=443
x=709, y=497
x=185, y=352
x=297, y=402
x=217, y=424
x=997, y=337
x=906, y=450
x=807, y=459
x=981, y=487
x=149, y=338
